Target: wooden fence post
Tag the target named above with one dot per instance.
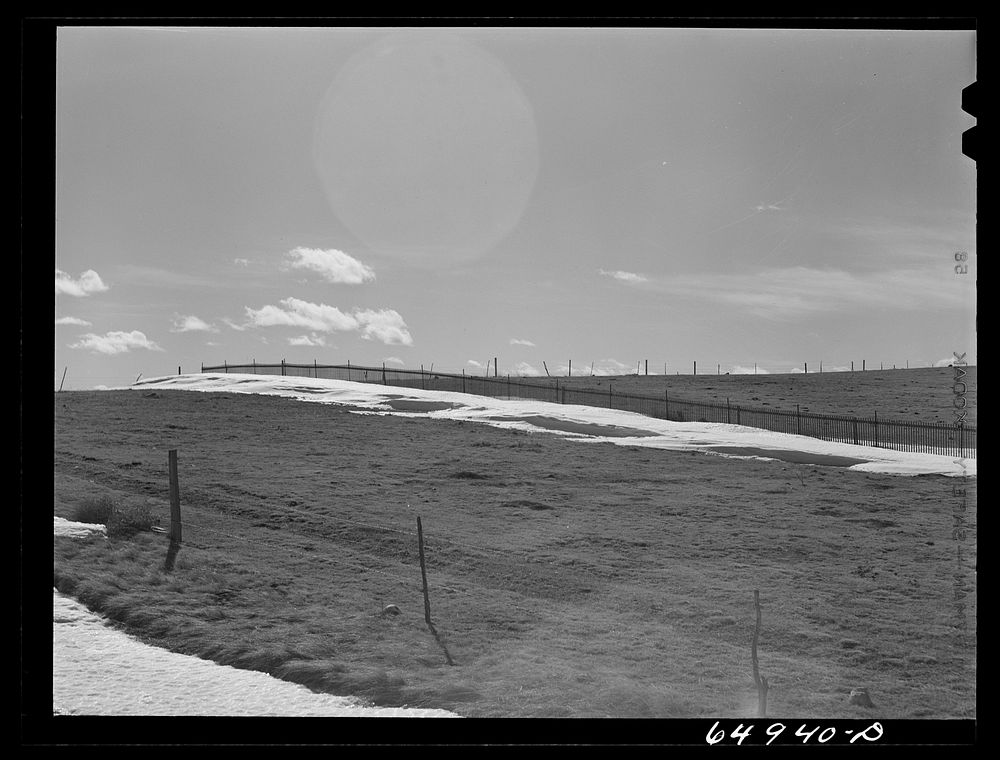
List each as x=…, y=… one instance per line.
x=758, y=679
x=855, y=425
x=175, y=512
x=63, y=378
x=282, y=367
x=427, y=599
x=666, y=402
x=798, y=420
x=175, y=497
x=423, y=571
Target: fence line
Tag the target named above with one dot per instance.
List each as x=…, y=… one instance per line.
x=926, y=437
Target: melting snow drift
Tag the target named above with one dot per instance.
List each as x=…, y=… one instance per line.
x=99, y=670
x=582, y=423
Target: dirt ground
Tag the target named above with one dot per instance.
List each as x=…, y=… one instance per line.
x=565, y=578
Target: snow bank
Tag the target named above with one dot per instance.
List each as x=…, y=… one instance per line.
x=98, y=670
x=582, y=423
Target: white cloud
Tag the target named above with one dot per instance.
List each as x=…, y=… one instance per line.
x=477, y=365
x=394, y=360
x=332, y=265
x=739, y=369
x=298, y=313
x=88, y=282
x=241, y=262
x=72, y=321
x=945, y=362
x=115, y=342
x=770, y=207
x=794, y=292
x=307, y=340
x=524, y=369
x=192, y=324
x=611, y=367
x=234, y=325
x=385, y=325
x=520, y=342
x=623, y=276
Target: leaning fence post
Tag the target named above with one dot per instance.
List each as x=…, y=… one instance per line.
x=423, y=571
x=427, y=599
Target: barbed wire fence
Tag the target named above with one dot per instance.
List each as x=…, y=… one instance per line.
x=922, y=437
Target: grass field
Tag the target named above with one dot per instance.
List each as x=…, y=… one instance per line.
x=565, y=579
x=908, y=395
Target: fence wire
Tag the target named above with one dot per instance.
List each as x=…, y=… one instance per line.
x=957, y=440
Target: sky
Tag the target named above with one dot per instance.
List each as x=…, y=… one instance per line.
x=443, y=196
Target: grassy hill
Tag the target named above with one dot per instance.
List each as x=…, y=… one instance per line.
x=565, y=579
